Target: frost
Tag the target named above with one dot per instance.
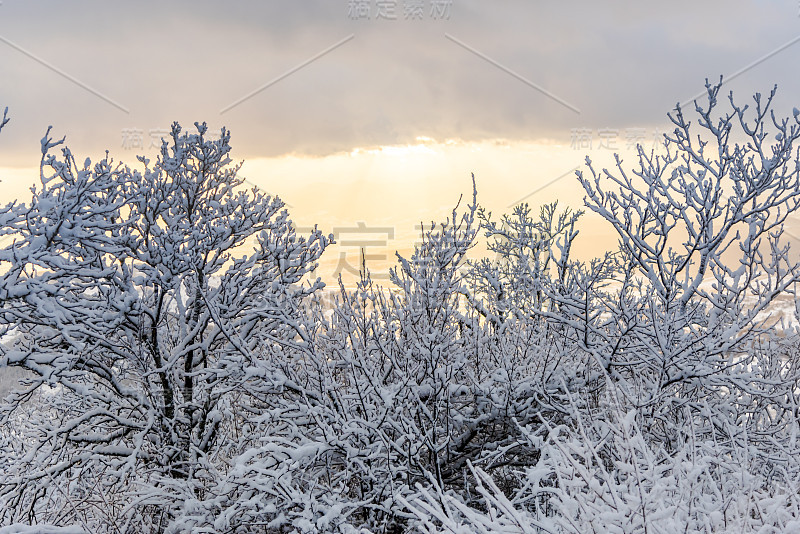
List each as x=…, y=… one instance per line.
x=183, y=369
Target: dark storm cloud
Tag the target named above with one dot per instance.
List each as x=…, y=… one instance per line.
x=621, y=64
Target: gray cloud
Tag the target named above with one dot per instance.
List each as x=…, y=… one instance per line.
x=622, y=64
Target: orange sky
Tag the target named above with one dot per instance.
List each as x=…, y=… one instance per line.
x=378, y=197
x=347, y=116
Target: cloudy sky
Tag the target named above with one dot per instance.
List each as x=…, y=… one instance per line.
x=376, y=112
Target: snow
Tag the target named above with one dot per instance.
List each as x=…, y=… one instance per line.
x=180, y=372
x=40, y=529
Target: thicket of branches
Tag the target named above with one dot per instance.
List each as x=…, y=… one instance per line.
x=183, y=374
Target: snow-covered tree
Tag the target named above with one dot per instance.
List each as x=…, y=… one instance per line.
x=685, y=415
x=384, y=399
x=702, y=255
x=146, y=324
x=182, y=373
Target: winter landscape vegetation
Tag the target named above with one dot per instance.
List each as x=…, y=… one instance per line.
x=169, y=363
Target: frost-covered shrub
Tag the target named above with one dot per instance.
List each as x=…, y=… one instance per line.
x=685, y=418
x=131, y=296
x=183, y=373
x=605, y=476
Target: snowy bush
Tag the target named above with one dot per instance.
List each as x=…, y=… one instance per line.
x=182, y=373
x=127, y=293
x=686, y=415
